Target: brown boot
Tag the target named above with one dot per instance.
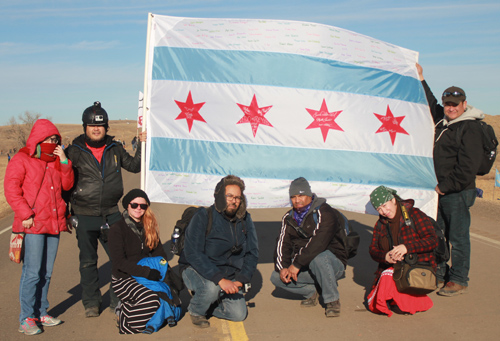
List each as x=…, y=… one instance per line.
x=452, y=289
x=200, y=321
x=333, y=309
x=311, y=301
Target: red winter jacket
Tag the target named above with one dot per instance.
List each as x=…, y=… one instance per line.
x=33, y=187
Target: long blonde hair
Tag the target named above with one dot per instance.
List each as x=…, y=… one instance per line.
x=151, y=230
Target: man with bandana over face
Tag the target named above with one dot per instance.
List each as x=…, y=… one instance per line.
x=33, y=185
x=217, y=265
x=310, y=254
x=97, y=160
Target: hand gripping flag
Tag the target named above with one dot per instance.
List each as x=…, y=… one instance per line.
x=272, y=100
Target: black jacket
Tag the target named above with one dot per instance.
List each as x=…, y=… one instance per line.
x=99, y=186
x=126, y=248
x=458, y=147
x=323, y=234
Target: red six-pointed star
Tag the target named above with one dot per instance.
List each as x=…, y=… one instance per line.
x=324, y=119
x=254, y=115
x=189, y=111
x=391, y=124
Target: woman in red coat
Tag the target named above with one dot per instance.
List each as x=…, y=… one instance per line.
x=392, y=240
x=34, y=180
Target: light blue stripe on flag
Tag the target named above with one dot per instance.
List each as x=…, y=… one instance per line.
x=272, y=162
x=282, y=70
x=497, y=178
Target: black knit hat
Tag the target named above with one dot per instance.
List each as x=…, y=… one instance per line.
x=135, y=193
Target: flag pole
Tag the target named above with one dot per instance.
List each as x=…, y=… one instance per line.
x=145, y=109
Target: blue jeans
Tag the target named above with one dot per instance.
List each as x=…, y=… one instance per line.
x=230, y=307
x=324, y=270
x=40, y=252
x=454, y=219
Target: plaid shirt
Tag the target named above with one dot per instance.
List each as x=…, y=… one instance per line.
x=423, y=241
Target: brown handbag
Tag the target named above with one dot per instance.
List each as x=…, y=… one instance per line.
x=414, y=278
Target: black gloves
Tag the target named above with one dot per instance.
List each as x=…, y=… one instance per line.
x=154, y=275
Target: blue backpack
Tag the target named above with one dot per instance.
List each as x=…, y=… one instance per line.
x=168, y=311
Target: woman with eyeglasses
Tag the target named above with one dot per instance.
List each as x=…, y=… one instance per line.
x=135, y=237
x=392, y=240
x=33, y=185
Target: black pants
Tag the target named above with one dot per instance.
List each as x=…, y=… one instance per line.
x=88, y=234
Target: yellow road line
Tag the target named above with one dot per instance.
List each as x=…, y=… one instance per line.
x=232, y=331
x=237, y=330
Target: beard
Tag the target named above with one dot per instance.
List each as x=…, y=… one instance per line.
x=231, y=211
x=93, y=143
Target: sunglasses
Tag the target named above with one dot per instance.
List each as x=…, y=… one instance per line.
x=454, y=94
x=134, y=205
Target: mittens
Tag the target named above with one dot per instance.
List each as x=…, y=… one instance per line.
x=154, y=275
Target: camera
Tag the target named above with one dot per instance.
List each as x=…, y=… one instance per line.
x=236, y=249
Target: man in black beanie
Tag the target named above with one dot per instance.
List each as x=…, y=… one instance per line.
x=310, y=251
x=216, y=265
x=97, y=160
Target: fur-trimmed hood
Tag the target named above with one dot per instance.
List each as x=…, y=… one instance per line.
x=220, y=195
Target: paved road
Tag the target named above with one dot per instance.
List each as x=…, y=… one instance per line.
x=474, y=316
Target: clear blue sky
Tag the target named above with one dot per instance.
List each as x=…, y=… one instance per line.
x=57, y=57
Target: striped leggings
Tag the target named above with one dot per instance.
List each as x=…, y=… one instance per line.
x=138, y=304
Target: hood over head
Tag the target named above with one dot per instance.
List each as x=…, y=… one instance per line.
x=220, y=195
x=42, y=129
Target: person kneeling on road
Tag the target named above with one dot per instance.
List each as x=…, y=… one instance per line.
x=217, y=265
x=310, y=251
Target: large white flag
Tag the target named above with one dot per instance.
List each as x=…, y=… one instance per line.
x=272, y=100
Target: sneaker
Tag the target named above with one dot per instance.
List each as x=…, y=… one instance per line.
x=49, y=321
x=453, y=289
x=29, y=327
x=333, y=309
x=311, y=301
x=92, y=312
x=200, y=321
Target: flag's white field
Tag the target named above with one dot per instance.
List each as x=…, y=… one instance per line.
x=271, y=101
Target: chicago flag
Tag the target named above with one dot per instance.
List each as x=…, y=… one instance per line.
x=270, y=101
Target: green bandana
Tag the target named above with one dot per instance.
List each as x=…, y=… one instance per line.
x=381, y=195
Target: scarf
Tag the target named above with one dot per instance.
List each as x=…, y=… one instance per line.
x=45, y=152
x=135, y=226
x=299, y=216
x=393, y=230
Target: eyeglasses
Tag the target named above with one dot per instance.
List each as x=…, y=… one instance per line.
x=134, y=205
x=231, y=197
x=52, y=140
x=454, y=94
